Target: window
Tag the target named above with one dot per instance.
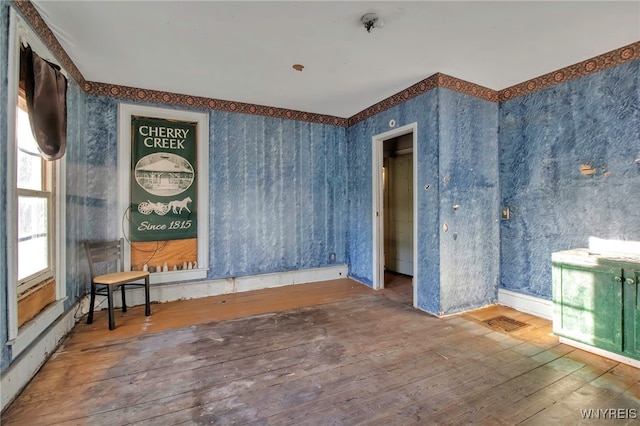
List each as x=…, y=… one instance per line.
x=35, y=228
x=35, y=182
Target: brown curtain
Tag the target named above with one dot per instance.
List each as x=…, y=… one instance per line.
x=46, y=92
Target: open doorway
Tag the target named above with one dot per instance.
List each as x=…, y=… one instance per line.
x=395, y=212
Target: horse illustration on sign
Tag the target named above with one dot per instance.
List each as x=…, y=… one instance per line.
x=175, y=205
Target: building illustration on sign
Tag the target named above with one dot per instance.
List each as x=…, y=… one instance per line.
x=164, y=174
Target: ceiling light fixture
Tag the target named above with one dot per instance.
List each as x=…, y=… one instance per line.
x=371, y=20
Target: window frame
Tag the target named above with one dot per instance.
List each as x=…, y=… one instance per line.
x=20, y=337
x=47, y=192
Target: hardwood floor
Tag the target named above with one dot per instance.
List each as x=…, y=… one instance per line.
x=324, y=353
x=398, y=287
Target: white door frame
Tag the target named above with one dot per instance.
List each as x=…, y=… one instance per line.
x=378, y=210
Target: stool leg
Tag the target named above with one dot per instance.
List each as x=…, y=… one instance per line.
x=112, y=322
x=147, y=302
x=93, y=302
x=124, y=300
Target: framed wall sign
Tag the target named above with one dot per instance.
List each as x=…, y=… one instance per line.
x=163, y=179
x=163, y=190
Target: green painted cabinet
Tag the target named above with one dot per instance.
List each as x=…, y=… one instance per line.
x=588, y=305
x=596, y=301
x=631, y=309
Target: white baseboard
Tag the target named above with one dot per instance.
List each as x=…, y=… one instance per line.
x=22, y=369
x=194, y=290
x=614, y=356
x=173, y=276
x=362, y=282
x=33, y=328
x=524, y=303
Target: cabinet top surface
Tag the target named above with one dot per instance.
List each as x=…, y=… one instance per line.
x=587, y=257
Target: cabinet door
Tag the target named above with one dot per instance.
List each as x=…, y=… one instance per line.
x=588, y=305
x=631, y=313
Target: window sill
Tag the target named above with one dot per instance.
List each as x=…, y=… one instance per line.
x=26, y=288
x=31, y=330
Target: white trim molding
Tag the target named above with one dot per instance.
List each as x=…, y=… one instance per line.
x=125, y=112
x=35, y=327
x=377, y=151
x=11, y=179
x=195, y=290
x=539, y=307
x=604, y=353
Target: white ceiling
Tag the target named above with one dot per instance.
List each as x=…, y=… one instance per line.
x=244, y=50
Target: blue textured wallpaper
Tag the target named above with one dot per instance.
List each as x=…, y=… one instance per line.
x=101, y=162
x=544, y=139
x=457, y=157
x=469, y=255
x=4, y=59
x=277, y=195
x=76, y=210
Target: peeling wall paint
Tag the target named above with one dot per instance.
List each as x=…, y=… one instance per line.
x=545, y=140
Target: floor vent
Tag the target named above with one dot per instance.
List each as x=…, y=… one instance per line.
x=505, y=323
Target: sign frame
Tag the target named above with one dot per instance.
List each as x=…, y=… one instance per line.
x=164, y=166
x=125, y=114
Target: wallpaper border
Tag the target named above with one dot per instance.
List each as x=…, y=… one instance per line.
x=581, y=69
x=190, y=101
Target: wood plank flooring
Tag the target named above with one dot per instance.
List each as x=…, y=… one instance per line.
x=323, y=353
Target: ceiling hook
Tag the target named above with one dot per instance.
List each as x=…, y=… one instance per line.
x=371, y=20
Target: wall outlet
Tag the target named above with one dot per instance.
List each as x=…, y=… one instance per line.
x=506, y=213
